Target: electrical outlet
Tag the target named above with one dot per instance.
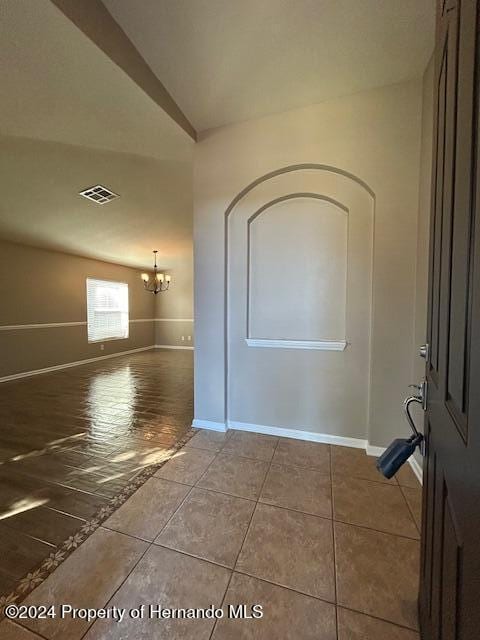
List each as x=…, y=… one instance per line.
x=189, y=338
x=102, y=347
x=183, y=338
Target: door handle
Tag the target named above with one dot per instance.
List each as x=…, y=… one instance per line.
x=421, y=395
x=406, y=408
x=424, y=351
x=402, y=448
x=419, y=398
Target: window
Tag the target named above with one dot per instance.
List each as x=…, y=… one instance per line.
x=107, y=310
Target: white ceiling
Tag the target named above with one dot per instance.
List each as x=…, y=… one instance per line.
x=70, y=119
x=55, y=84
x=224, y=61
x=40, y=204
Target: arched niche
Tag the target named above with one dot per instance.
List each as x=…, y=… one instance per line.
x=297, y=253
x=294, y=386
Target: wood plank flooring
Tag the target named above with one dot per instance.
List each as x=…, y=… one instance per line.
x=71, y=440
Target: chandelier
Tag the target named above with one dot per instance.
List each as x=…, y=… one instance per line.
x=160, y=281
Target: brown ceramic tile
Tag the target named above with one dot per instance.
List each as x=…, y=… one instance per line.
x=174, y=580
x=238, y=476
x=287, y=615
x=357, y=626
x=45, y=524
x=207, y=439
x=74, y=459
x=7, y=583
x=297, y=488
x=90, y=482
x=354, y=463
x=77, y=503
x=110, y=488
x=142, y=455
x=406, y=477
x=251, y=445
x=414, y=499
x=11, y=631
x=186, y=466
x=377, y=573
x=372, y=504
x=73, y=438
x=147, y=511
x=88, y=578
x=291, y=549
x=209, y=525
x=299, y=453
x=20, y=552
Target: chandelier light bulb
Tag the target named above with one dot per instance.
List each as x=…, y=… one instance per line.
x=160, y=281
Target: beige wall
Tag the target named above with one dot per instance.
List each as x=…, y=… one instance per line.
x=373, y=135
x=174, y=333
x=174, y=309
x=297, y=271
x=39, y=286
x=307, y=238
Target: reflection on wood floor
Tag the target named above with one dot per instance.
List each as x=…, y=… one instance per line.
x=71, y=440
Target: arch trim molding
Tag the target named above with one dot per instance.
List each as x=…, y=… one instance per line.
x=268, y=205
x=293, y=196
x=258, y=181
x=297, y=167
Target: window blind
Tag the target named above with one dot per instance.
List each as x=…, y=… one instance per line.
x=107, y=310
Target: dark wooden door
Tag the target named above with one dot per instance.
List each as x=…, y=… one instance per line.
x=450, y=564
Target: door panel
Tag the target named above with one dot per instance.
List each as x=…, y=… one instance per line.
x=427, y=524
x=450, y=570
x=436, y=253
x=452, y=554
x=461, y=234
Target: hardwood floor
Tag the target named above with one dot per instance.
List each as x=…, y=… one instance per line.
x=71, y=440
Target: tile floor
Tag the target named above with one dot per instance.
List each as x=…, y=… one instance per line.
x=309, y=531
x=71, y=440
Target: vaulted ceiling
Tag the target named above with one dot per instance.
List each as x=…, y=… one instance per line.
x=69, y=119
x=73, y=115
x=229, y=60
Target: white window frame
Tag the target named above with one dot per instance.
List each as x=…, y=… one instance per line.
x=125, y=321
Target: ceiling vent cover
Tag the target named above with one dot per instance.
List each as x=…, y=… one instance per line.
x=99, y=194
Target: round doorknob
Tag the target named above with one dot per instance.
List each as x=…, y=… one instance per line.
x=423, y=351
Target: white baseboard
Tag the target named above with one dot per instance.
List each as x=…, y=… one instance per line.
x=416, y=468
x=67, y=365
x=325, y=438
x=173, y=346
x=208, y=424
x=372, y=450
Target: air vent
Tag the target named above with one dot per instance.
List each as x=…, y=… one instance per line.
x=99, y=194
